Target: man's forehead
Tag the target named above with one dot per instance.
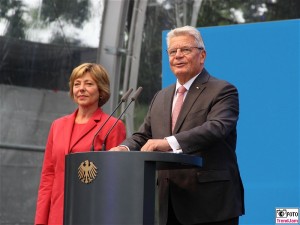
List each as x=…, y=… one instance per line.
x=182, y=40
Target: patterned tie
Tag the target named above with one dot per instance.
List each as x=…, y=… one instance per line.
x=180, y=93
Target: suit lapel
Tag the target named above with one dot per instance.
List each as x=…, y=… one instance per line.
x=195, y=90
x=168, y=99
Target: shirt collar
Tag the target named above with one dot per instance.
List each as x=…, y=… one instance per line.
x=187, y=85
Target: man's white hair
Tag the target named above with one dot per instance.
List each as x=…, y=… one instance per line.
x=186, y=30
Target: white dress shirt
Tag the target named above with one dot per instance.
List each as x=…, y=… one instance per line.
x=171, y=139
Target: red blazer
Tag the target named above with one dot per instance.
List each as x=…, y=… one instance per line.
x=50, y=202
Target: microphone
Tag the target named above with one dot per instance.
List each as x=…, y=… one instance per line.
x=135, y=96
x=123, y=99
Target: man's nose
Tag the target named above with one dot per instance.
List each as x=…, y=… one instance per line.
x=178, y=52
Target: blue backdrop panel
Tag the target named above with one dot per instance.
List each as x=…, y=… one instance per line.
x=263, y=61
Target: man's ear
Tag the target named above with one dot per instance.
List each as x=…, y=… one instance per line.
x=203, y=56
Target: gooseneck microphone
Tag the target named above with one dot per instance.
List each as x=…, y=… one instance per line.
x=123, y=99
x=133, y=98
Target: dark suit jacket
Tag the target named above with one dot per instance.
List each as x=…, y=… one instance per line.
x=206, y=126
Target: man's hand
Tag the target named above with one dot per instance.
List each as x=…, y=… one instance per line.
x=156, y=145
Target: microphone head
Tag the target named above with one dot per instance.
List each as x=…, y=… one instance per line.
x=136, y=94
x=126, y=95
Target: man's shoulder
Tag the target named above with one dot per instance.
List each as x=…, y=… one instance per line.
x=220, y=82
x=212, y=80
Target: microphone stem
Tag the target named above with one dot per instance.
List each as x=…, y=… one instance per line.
x=123, y=99
x=113, y=126
x=93, y=142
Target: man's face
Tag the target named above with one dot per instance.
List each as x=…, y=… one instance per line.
x=185, y=59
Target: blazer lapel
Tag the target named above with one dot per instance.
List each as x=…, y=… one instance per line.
x=195, y=90
x=67, y=130
x=89, y=127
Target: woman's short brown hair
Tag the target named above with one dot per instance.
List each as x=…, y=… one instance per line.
x=99, y=75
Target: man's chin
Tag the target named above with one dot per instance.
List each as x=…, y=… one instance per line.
x=181, y=73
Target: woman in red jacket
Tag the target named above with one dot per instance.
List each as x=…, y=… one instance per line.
x=89, y=88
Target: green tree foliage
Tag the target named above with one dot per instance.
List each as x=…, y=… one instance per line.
x=12, y=11
x=72, y=11
x=283, y=10
x=221, y=12
x=150, y=60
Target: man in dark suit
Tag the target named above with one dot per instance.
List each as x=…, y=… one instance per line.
x=206, y=127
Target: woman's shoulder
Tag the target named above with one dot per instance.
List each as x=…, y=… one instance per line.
x=64, y=118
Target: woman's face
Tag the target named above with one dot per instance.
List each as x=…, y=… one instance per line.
x=85, y=91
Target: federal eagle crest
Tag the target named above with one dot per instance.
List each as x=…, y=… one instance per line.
x=87, y=171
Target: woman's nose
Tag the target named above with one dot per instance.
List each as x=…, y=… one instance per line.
x=81, y=88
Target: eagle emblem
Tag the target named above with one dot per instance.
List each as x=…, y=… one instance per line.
x=87, y=172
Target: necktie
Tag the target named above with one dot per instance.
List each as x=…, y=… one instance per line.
x=178, y=104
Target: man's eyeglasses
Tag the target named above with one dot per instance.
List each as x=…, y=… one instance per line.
x=183, y=50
